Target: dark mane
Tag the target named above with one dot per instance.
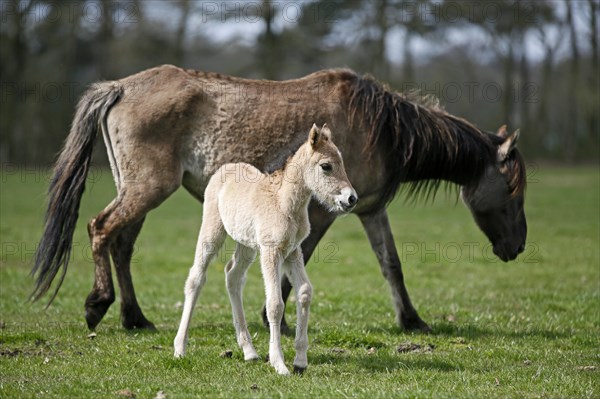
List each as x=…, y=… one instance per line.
x=424, y=145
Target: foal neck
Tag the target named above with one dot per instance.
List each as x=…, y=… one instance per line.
x=293, y=194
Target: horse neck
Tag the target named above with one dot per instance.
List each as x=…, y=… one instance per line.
x=419, y=144
x=293, y=194
x=443, y=147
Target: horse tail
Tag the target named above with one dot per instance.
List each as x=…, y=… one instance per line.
x=67, y=186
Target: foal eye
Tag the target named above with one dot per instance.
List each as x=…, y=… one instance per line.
x=326, y=167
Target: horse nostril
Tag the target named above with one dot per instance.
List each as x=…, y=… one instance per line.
x=352, y=200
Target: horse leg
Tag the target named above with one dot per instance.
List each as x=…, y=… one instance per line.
x=128, y=208
x=137, y=195
x=121, y=251
x=235, y=278
x=103, y=292
x=320, y=221
x=211, y=238
x=380, y=236
x=294, y=267
x=270, y=262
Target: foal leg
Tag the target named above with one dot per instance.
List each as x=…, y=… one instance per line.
x=270, y=262
x=235, y=278
x=294, y=267
x=121, y=251
x=380, y=236
x=320, y=221
x=211, y=237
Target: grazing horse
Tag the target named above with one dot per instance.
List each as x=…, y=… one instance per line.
x=166, y=127
x=267, y=213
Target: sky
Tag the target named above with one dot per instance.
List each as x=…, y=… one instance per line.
x=229, y=20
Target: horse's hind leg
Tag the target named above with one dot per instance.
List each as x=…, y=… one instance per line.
x=294, y=267
x=121, y=251
x=235, y=277
x=129, y=208
x=103, y=293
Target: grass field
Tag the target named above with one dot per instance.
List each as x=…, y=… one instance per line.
x=530, y=328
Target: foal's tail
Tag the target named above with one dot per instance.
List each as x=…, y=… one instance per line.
x=68, y=184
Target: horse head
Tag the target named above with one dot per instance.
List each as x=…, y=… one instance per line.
x=325, y=174
x=497, y=199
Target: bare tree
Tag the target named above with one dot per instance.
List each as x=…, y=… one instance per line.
x=12, y=70
x=593, y=121
x=570, y=134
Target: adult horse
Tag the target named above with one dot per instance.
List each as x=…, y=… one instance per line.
x=166, y=127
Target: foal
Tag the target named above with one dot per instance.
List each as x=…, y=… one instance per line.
x=267, y=213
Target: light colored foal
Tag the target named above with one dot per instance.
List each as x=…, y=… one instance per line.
x=268, y=214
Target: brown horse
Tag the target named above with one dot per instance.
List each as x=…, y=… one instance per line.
x=166, y=127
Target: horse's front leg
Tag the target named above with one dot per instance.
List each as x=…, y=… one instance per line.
x=270, y=262
x=320, y=221
x=380, y=236
x=294, y=267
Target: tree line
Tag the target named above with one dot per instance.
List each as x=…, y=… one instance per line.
x=530, y=64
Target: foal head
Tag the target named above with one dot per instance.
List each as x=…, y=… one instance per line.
x=497, y=199
x=324, y=172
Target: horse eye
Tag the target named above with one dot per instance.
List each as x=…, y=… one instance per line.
x=326, y=167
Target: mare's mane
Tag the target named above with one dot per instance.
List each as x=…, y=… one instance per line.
x=423, y=145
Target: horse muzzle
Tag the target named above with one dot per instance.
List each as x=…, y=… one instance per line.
x=508, y=252
x=347, y=200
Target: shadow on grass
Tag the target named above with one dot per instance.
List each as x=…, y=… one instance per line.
x=473, y=331
x=382, y=362
x=491, y=329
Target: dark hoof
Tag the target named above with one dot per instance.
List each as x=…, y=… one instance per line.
x=132, y=318
x=299, y=370
x=142, y=324
x=415, y=324
x=95, y=309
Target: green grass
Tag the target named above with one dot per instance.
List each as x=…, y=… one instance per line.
x=522, y=329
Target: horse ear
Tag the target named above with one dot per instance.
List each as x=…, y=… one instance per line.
x=509, y=144
x=326, y=132
x=502, y=132
x=314, y=135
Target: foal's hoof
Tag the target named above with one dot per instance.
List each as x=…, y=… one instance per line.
x=299, y=370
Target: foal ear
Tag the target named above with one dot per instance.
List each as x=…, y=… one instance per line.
x=314, y=135
x=509, y=144
x=326, y=132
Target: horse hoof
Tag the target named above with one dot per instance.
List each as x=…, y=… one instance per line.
x=94, y=314
x=139, y=324
x=299, y=370
x=282, y=370
x=92, y=318
x=415, y=324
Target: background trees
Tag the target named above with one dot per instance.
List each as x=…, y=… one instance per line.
x=530, y=64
